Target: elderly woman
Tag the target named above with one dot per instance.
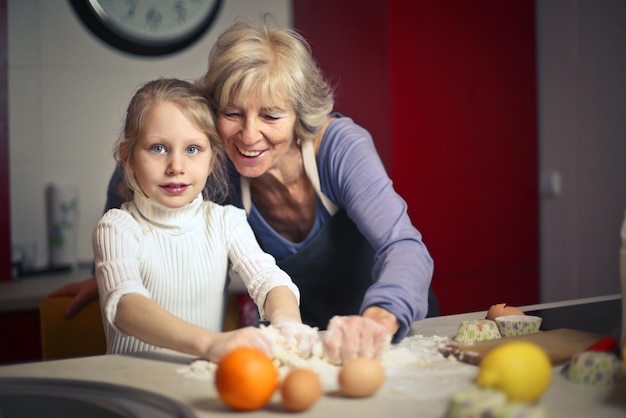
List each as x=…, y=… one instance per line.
x=317, y=195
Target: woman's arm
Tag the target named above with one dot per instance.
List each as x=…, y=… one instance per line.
x=84, y=291
x=353, y=176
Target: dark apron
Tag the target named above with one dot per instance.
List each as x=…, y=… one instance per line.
x=333, y=271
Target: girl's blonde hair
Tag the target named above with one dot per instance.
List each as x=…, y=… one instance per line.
x=192, y=102
x=274, y=64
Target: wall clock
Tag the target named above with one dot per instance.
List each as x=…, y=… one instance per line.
x=147, y=27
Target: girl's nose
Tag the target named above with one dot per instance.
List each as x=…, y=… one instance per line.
x=175, y=165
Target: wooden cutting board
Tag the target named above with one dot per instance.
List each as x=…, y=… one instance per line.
x=560, y=345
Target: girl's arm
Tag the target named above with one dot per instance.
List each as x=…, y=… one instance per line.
x=271, y=288
x=143, y=318
x=87, y=290
x=281, y=305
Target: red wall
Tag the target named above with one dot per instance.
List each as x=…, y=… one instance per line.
x=349, y=41
x=448, y=89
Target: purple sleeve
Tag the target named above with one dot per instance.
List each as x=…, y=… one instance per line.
x=353, y=176
x=114, y=201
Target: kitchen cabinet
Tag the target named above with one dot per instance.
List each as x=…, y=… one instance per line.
x=448, y=90
x=5, y=218
x=20, y=339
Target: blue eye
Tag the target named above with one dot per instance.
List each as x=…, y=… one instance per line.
x=193, y=149
x=159, y=149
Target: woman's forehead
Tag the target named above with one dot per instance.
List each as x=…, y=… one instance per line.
x=260, y=101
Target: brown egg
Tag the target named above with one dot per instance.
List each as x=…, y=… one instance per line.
x=361, y=377
x=501, y=309
x=300, y=389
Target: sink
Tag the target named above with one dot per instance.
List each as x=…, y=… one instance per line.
x=38, y=397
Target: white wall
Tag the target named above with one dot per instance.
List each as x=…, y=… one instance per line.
x=67, y=95
x=582, y=105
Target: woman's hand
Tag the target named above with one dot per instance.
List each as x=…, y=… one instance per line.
x=83, y=291
x=349, y=337
x=223, y=342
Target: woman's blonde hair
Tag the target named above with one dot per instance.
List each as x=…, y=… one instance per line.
x=270, y=63
x=192, y=102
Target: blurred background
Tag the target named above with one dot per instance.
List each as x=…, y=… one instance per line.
x=501, y=123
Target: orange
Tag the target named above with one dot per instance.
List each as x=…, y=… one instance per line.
x=246, y=378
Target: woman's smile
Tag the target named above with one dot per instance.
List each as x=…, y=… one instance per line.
x=250, y=153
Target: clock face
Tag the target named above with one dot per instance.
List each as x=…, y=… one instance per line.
x=148, y=27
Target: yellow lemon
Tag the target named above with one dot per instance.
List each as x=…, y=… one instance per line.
x=520, y=369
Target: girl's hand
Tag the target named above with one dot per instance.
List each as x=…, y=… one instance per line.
x=349, y=337
x=224, y=342
x=83, y=291
x=303, y=337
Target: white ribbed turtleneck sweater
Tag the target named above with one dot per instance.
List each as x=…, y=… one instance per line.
x=180, y=259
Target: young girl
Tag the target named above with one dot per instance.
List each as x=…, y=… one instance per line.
x=162, y=260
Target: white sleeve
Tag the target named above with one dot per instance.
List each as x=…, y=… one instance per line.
x=256, y=268
x=117, y=240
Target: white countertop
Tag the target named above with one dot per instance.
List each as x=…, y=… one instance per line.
x=159, y=372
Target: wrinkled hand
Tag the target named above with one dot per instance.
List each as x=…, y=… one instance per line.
x=298, y=335
x=349, y=337
x=83, y=291
x=242, y=337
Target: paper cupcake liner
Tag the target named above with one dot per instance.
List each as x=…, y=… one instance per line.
x=477, y=330
x=595, y=368
x=474, y=402
x=512, y=325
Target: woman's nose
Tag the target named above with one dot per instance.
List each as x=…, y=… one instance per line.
x=250, y=131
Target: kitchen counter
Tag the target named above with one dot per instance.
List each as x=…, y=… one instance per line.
x=26, y=293
x=160, y=372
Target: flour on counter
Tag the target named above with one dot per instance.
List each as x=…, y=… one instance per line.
x=415, y=368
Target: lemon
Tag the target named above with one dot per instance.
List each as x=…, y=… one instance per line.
x=520, y=369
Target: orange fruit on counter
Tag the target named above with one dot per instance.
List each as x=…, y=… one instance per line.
x=246, y=378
